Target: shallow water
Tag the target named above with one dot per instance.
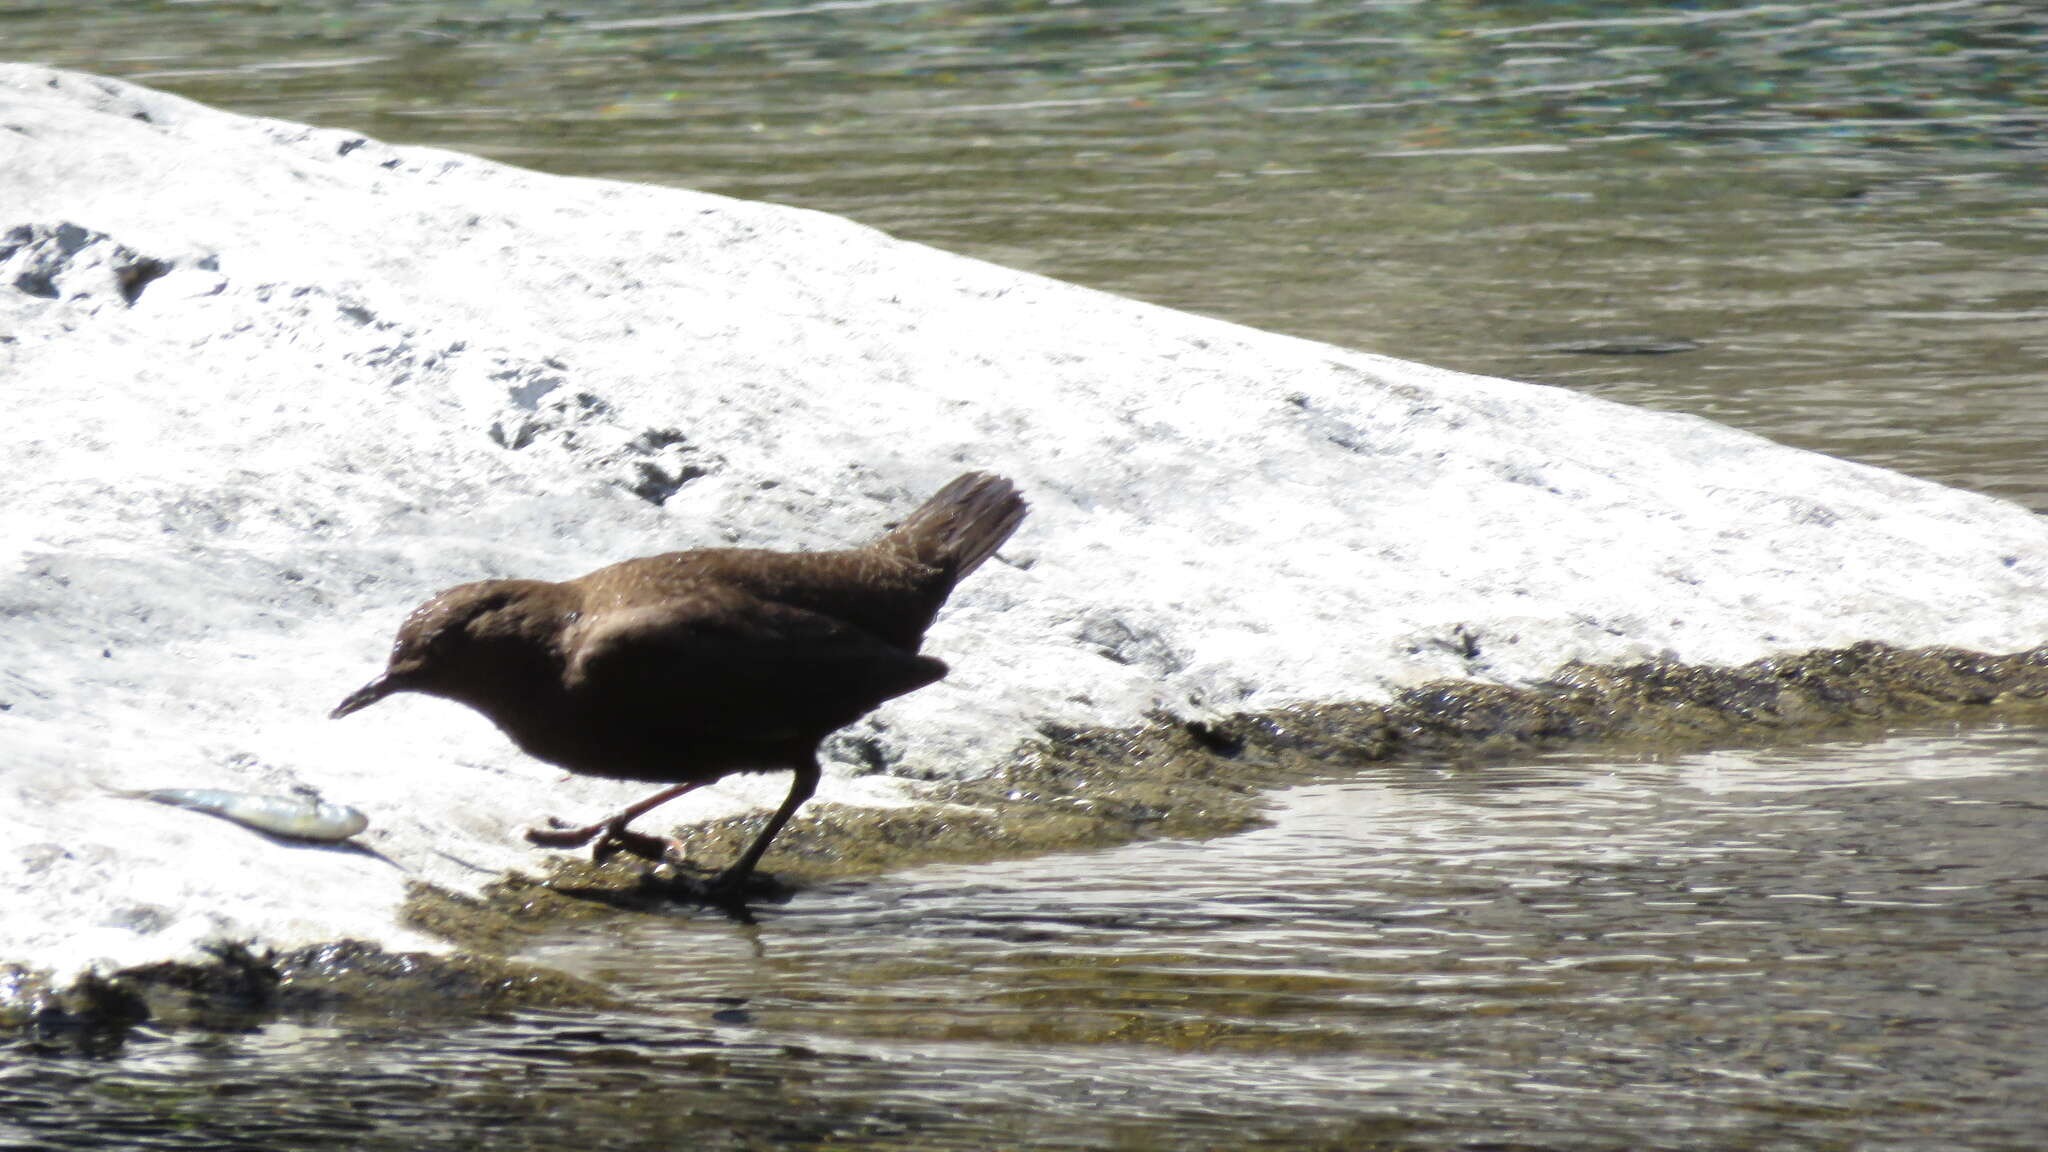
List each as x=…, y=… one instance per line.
x=1833, y=946
x=1843, y=203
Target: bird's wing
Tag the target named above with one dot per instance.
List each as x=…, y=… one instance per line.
x=722, y=649
x=886, y=594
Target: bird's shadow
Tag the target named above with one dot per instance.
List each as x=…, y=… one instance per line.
x=664, y=891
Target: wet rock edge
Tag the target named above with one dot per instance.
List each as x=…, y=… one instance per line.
x=1070, y=790
x=241, y=986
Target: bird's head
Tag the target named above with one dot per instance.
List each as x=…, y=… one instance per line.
x=462, y=642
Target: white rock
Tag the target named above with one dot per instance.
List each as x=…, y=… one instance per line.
x=371, y=372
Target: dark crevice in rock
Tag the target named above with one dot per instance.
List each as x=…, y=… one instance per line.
x=52, y=262
x=655, y=484
x=36, y=283
x=132, y=278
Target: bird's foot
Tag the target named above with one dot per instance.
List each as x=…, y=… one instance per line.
x=725, y=890
x=560, y=834
x=611, y=838
x=617, y=839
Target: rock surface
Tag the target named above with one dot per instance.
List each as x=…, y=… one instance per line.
x=272, y=385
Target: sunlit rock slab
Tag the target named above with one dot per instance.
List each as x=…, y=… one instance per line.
x=271, y=385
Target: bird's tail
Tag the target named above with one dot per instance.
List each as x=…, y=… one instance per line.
x=962, y=525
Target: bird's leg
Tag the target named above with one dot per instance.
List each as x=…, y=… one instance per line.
x=729, y=883
x=611, y=834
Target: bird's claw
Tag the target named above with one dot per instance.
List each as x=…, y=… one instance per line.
x=716, y=891
x=559, y=835
x=616, y=840
x=723, y=889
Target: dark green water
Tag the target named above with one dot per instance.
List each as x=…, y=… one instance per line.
x=1843, y=202
x=1840, y=946
x=1844, y=205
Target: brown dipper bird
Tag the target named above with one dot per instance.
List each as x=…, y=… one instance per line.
x=687, y=667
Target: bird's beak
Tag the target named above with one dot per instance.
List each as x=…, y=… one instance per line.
x=365, y=696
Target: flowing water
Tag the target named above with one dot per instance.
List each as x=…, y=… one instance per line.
x=1842, y=203
x=1838, y=946
x=1824, y=221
